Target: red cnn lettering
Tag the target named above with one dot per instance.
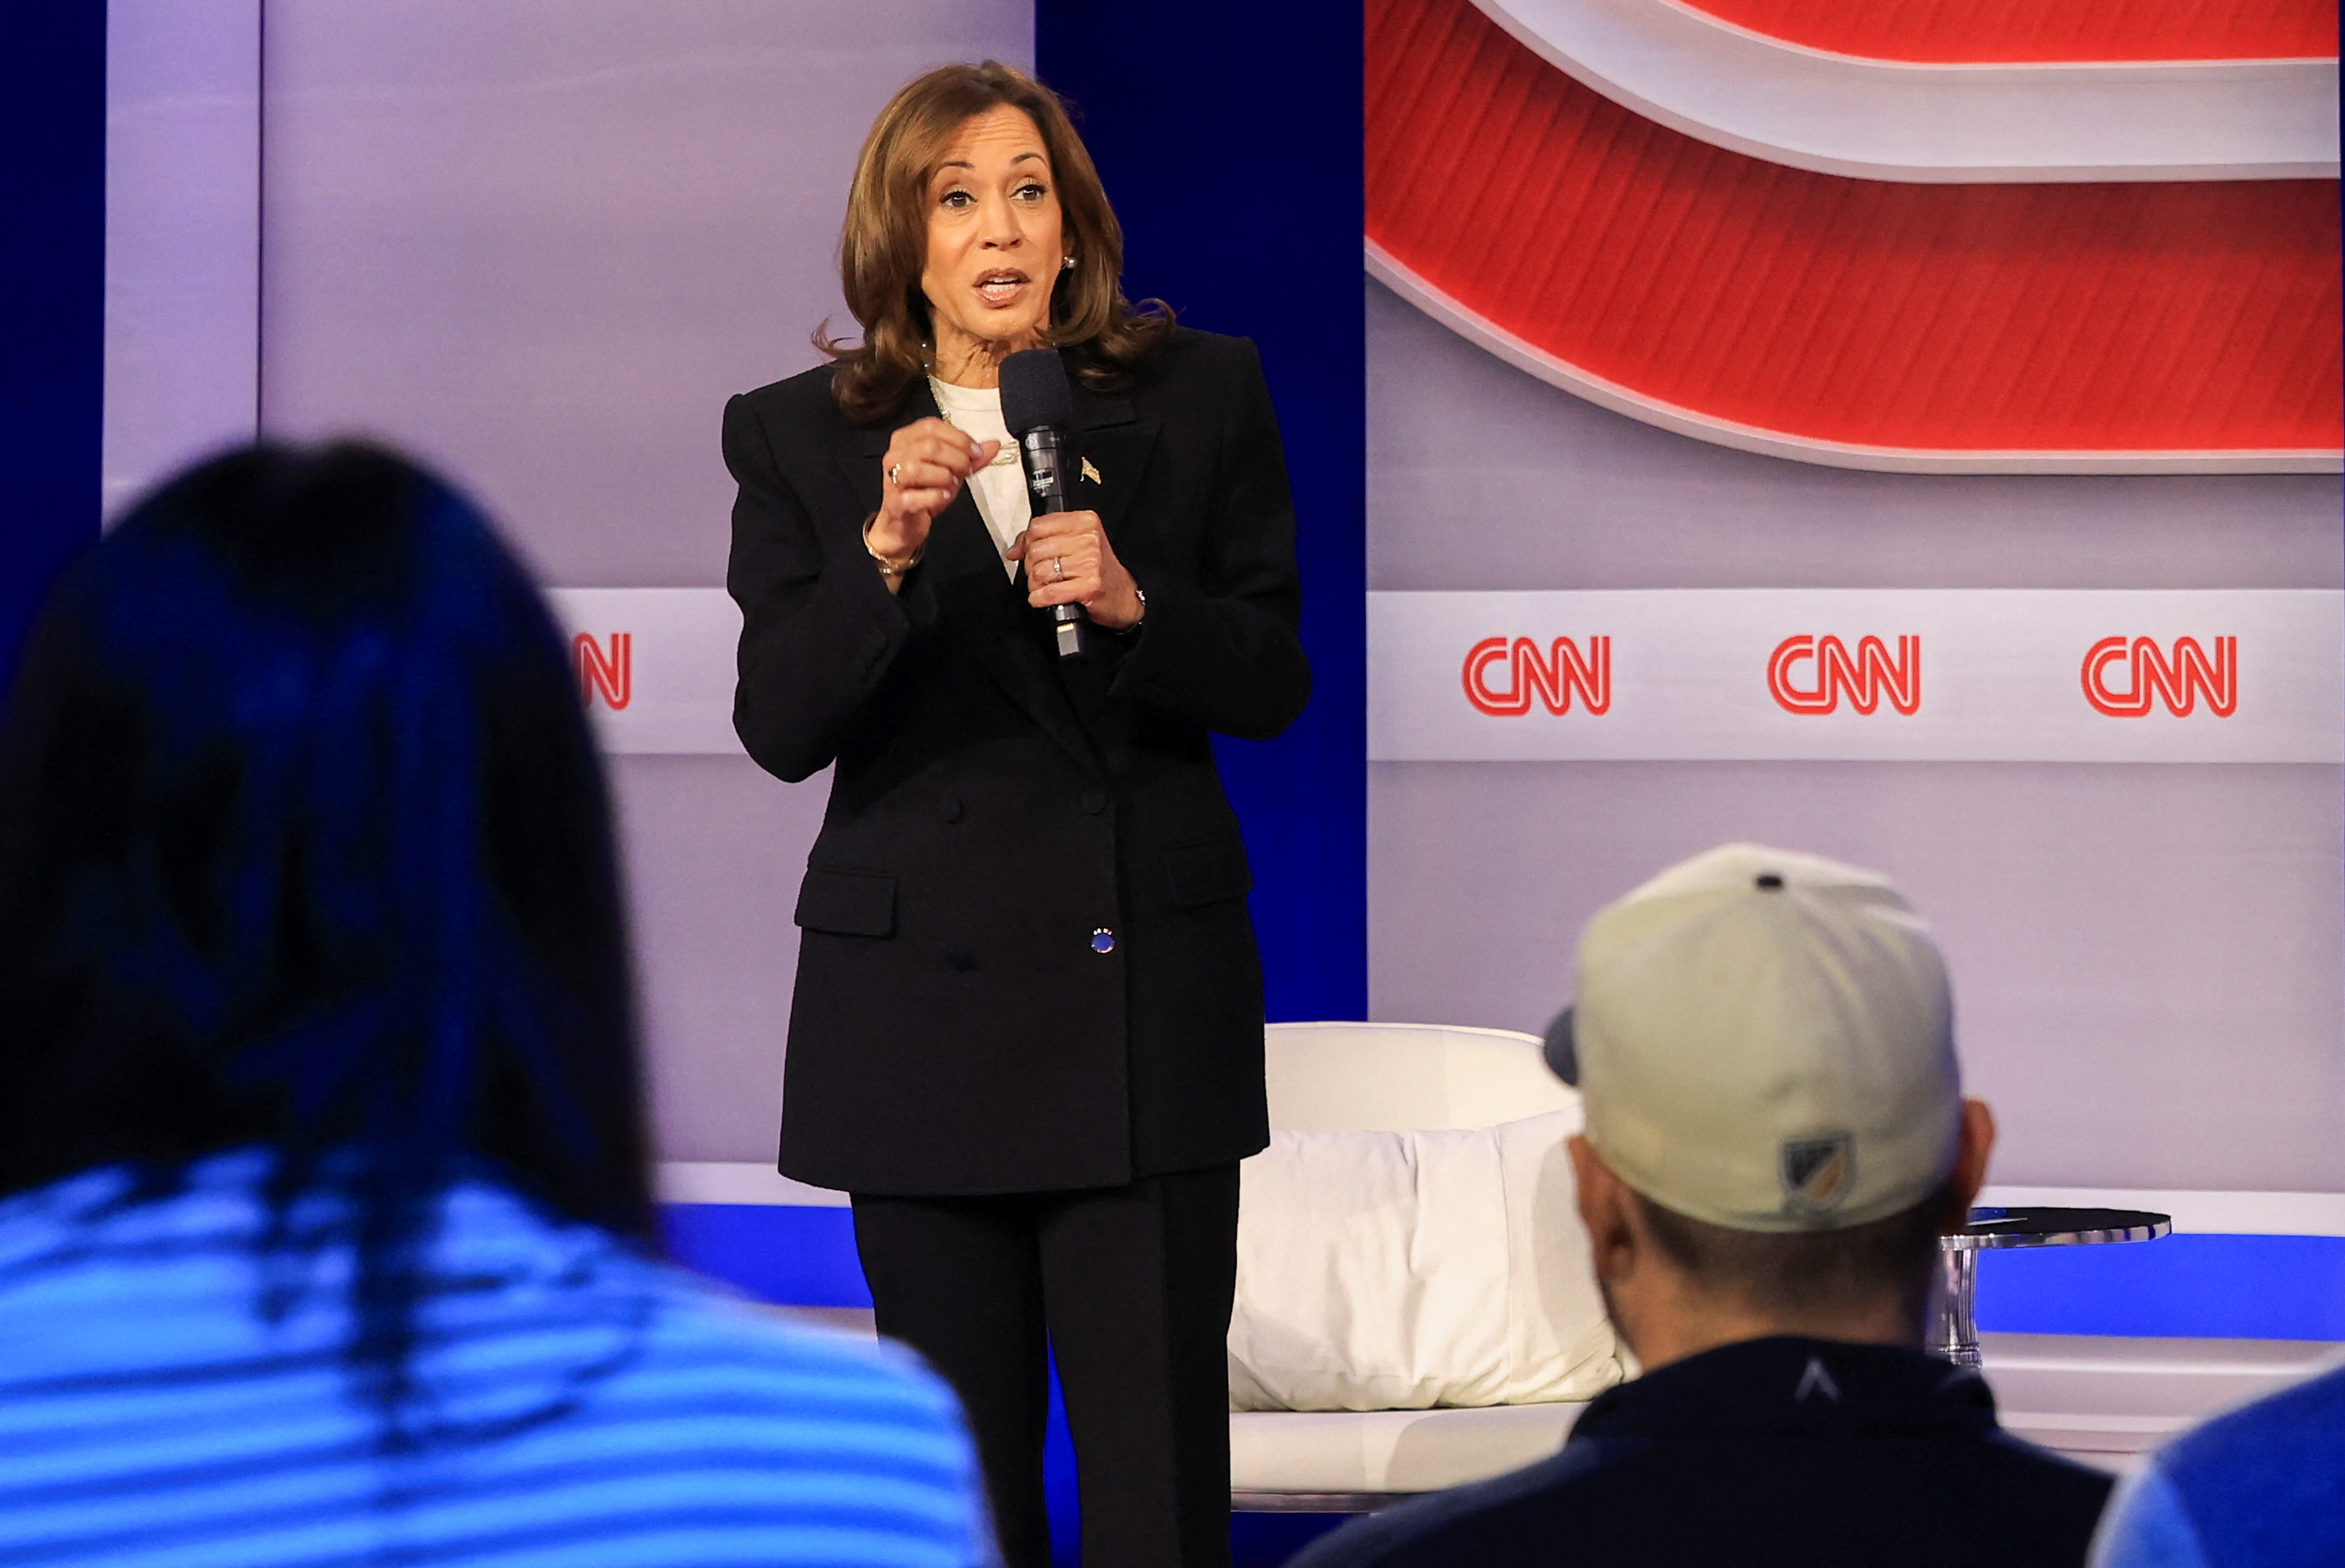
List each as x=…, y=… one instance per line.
x=1554, y=677
x=613, y=677
x=1864, y=680
x=2178, y=680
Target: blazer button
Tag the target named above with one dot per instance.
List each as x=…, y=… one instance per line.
x=951, y=808
x=1102, y=940
x=1094, y=801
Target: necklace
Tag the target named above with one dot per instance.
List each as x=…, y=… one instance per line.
x=1002, y=458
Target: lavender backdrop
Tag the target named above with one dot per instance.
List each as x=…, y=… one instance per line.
x=541, y=245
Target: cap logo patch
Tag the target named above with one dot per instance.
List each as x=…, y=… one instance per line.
x=1818, y=1173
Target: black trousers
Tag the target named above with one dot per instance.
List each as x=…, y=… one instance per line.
x=1130, y=1287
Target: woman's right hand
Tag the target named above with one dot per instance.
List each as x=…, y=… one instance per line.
x=926, y=463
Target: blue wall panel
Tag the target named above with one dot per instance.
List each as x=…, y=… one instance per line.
x=791, y=1255
x=1229, y=137
x=2189, y=1286
x=2196, y=1286
x=52, y=297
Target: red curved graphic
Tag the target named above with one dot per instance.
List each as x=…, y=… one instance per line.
x=1950, y=32
x=2127, y=318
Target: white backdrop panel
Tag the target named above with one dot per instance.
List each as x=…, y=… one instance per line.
x=657, y=668
x=1991, y=674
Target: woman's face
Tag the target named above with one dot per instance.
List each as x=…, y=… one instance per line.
x=993, y=240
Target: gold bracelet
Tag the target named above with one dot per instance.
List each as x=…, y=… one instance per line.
x=889, y=568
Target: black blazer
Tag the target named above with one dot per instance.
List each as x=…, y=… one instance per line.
x=1025, y=961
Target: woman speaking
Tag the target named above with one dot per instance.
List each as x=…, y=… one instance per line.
x=1027, y=1030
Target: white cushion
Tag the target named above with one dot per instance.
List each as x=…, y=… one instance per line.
x=1403, y=1270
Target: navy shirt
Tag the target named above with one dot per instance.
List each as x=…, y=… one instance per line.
x=1805, y=1452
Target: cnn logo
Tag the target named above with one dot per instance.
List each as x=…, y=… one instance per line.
x=1831, y=673
x=610, y=677
x=2177, y=679
x=1552, y=677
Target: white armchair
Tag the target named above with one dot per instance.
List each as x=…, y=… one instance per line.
x=2101, y=1401
x=1394, y=1077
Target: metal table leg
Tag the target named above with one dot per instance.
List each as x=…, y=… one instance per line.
x=1954, y=1329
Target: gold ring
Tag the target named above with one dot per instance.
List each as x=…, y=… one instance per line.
x=894, y=470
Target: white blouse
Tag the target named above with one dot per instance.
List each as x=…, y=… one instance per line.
x=1000, y=487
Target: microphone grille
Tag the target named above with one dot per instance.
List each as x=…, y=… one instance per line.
x=1034, y=390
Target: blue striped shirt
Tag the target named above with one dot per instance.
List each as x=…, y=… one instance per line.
x=173, y=1392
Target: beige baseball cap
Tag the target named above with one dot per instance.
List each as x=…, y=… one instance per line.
x=1764, y=1040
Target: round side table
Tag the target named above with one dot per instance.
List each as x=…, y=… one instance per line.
x=1954, y=1330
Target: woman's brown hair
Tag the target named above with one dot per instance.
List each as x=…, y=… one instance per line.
x=885, y=244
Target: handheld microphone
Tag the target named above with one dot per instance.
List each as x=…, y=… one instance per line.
x=1039, y=409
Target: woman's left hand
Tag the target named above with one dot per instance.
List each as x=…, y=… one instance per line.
x=1070, y=562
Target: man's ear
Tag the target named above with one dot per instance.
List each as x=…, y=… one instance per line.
x=1603, y=1210
x=1972, y=1144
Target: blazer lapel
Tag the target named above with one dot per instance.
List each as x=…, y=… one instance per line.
x=1113, y=445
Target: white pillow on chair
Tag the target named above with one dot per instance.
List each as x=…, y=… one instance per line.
x=1402, y=1270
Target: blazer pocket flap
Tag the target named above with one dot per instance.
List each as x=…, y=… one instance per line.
x=1209, y=872
x=849, y=902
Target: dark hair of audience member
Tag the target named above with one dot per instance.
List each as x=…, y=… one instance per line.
x=1786, y=1272
x=304, y=843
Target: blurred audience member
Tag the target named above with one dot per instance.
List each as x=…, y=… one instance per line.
x=326, y=1233
x=1776, y=1137
x=2262, y=1487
